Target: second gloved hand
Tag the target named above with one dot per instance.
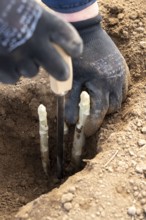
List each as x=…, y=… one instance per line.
x=27, y=33
x=101, y=71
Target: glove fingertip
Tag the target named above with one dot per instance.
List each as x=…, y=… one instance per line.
x=91, y=126
x=76, y=48
x=60, y=74
x=70, y=116
x=71, y=119
x=9, y=80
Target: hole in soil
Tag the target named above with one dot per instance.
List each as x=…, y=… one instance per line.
x=22, y=178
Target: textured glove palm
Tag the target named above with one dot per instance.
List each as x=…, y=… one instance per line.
x=101, y=71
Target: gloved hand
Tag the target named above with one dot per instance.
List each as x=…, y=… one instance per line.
x=101, y=71
x=27, y=32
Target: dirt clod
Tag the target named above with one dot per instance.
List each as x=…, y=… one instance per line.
x=67, y=206
x=67, y=197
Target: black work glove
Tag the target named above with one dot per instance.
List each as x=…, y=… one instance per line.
x=27, y=32
x=101, y=71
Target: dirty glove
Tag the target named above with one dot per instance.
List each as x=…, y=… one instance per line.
x=101, y=71
x=27, y=32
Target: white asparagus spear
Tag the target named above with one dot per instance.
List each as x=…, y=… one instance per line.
x=79, y=136
x=43, y=131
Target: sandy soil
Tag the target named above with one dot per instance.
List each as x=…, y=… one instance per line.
x=112, y=185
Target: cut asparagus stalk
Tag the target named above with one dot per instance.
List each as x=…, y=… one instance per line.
x=43, y=131
x=79, y=136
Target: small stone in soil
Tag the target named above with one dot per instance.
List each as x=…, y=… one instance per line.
x=67, y=197
x=120, y=16
x=143, y=130
x=136, y=193
x=143, y=201
x=140, y=168
x=67, y=206
x=131, y=211
x=72, y=189
x=133, y=16
x=141, y=142
x=139, y=196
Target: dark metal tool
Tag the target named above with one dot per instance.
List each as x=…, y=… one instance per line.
x=60, y=88
x=60, y=135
